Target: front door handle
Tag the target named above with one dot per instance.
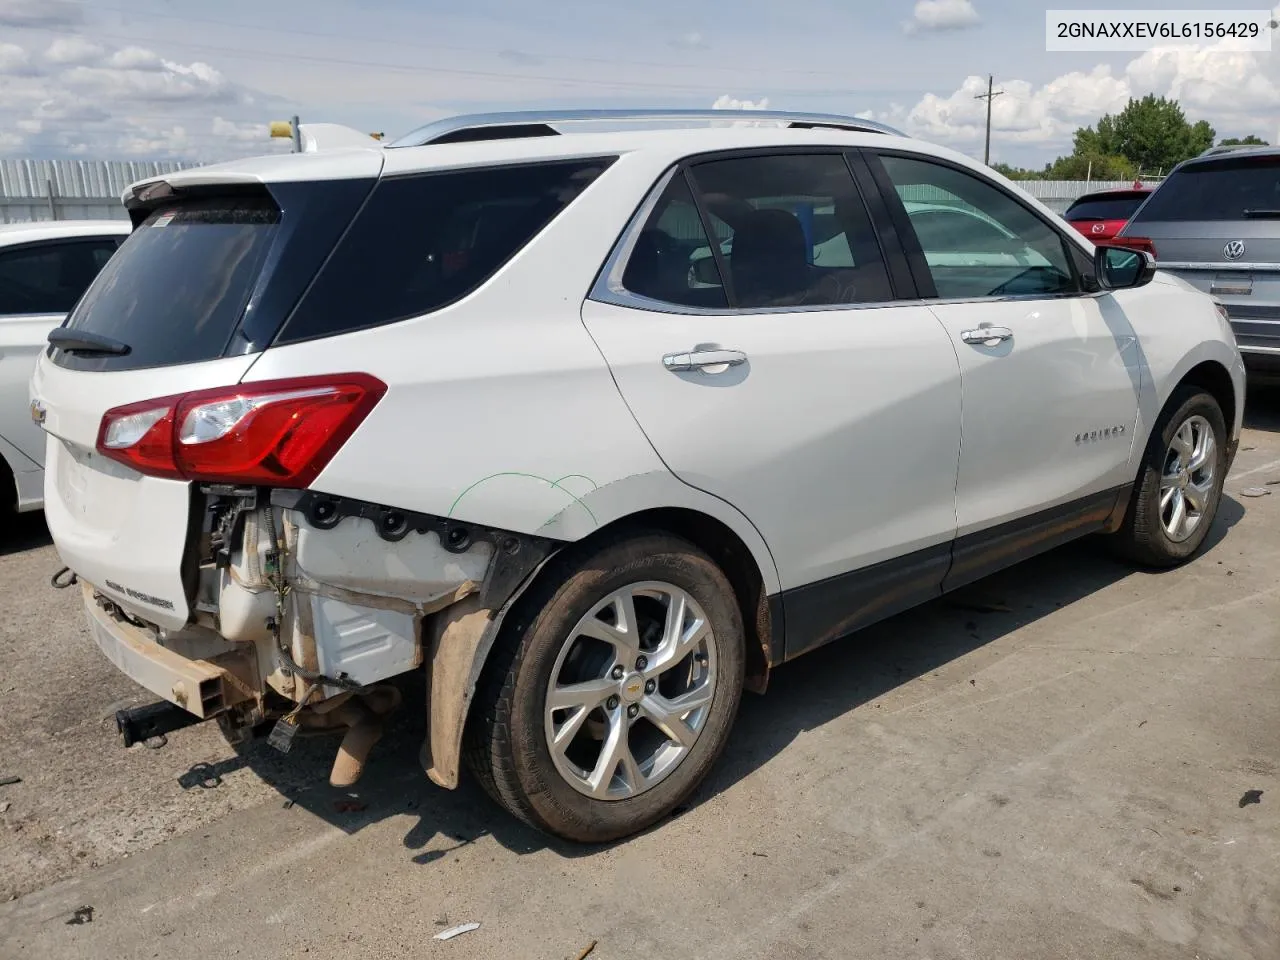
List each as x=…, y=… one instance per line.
x=708, y=361
x=987, y=335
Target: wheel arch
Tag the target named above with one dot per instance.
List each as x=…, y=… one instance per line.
x=1214, y=379
x=459, y=639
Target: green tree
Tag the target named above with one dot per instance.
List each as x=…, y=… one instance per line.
x=1095, y=166
x=1249, y=141
x=1151, y=133
x=1016, y=173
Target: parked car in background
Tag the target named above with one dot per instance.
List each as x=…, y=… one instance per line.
x=1101, y=215
x=325, y=418
x=1215, y=222
x=44, y=268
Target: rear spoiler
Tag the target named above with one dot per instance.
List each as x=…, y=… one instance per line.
x=315, y=137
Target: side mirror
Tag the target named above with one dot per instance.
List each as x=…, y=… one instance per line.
x=705, y=272
x=1118, y=268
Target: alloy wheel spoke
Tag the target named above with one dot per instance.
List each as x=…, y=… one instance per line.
x=588, y=694
x=667, y=716
x=1195, y=497
x=616, y=746
x=1182, y=441
x=565, y=733
x=680, y=639
x=1203, y=454
x=623, y=634
x=1178, y=516
x=1168, y=488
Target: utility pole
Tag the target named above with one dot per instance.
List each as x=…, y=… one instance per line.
x=988, y=96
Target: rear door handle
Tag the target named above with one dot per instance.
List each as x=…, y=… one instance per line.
x=704, y=360
x=987, y=335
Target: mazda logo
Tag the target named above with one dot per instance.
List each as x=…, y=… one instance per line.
x=1099, y=227
x=1234, y=250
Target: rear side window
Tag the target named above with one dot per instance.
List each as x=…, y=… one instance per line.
x=425, y=241
x=1119, y=207
x=49, y=277
x=1232, y=188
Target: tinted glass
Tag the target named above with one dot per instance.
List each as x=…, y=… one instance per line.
x=50, y=277
x=422, y=242
x=793, y=231
x=1226, y=189
x=175, y=290
x=672, y=260
x=1118, y=207
x=978, y=240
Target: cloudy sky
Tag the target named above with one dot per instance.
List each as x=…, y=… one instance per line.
x=175, y=78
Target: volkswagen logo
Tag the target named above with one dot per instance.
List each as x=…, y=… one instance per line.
x=1234, y=250
x=38, y=412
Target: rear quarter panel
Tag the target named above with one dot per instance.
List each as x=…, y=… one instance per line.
x=500, y=408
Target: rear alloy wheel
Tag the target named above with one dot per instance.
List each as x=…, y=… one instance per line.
x=609, y=703
x=1179, y=486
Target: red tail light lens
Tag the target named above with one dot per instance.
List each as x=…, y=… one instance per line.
x=1133, y=243
x=276, y=433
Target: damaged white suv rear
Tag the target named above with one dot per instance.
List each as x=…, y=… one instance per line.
x=595, y=427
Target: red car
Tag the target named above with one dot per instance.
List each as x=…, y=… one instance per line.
x=1099, y=216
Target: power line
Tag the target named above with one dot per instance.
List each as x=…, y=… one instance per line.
x=702, y=65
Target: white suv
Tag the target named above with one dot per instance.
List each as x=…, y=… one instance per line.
x=44, y=268
x=465, y=401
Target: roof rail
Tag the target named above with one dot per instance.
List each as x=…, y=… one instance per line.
x=1237, y=148
x=534, y=123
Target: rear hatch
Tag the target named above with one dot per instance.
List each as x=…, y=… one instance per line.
x=215, y=264
x=1216, y=224
x=1101, y=216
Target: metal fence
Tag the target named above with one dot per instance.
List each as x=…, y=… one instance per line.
x=71, y=189
x=75, y=189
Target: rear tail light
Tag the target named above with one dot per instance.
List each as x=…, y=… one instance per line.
x=276, y=433
x=1134, y=243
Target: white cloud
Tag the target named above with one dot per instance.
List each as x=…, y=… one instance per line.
x=14, y=61
x=1231, y=88
x=39, y=13
x=726, y=102
x=932, y=15
x=692, y=40
x=74, y=51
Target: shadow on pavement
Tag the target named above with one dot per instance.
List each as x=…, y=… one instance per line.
x=22, y=531
x=802, y=695
x=1262, y=407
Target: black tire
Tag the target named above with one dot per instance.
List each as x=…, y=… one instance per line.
x=1142, y=537
x=506, y=746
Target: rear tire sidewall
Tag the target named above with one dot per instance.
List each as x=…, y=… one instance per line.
x=553, y=802
x=1162, y=547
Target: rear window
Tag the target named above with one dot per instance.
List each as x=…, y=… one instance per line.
x=1231, y=188
x=1118, y=207
x=425, y=241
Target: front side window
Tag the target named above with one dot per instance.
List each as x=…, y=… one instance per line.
x=50, y=277
x=788, y=230
x=977, y=240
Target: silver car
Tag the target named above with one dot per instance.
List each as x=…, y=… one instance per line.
x=1215, y=222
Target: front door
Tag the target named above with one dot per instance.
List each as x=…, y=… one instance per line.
x=1051, y=374
x=770, y=368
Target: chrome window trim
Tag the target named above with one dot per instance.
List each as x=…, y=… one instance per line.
x=608, y=286
x=1221, y=266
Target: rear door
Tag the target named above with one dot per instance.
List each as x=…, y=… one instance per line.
x=1216, y=224
x=196, y=291
x=39, y=283
x=1050, y=373
x=772, y=368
